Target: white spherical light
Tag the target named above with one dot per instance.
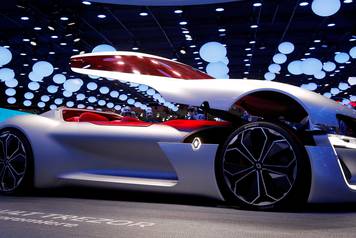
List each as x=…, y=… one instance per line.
x=29, y=95
x=142, y=87
x=101, y=102
x=312, y=86
x=58, y=101
x=343, y=86
x=67, y=94
x=342, y=57
x=269, y=76
x=104, y=90
x=43, y=68
x=122, y=97
x=11, y=100
x=352, y=80
x=44, y=98
x=27, y=103
x=81, y=106
x=217, y=69
x=92, y=86
x=73, y=85
x=110, y=105
x=35, y=77
x=335, y=91
x=12, y=83
x=117, y=107
x=52, y=107
x=33, y=86
x=10, y=92
x=279, y=58
x=274, y=68
x=325, y=8
x=311, y=66
x=41, y=104
x=353, y=98
x=114, y=94
x=286, y=47
x=6, y=74
x=103, y=48
x=131, y=101
x=320, y=75
x=212, y=52
x=52, y=89
x=328, y=95
x=80, y=97
x=151, y=92
x=329, y=66
x=59, y=78
x=5, y=56
x=70, y=104
x=91, y=99
x=295, y=67
x=353, y=52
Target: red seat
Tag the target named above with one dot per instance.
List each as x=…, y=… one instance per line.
x=90, y=117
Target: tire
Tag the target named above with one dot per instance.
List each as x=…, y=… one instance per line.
x=263, y=166
x=16, y=163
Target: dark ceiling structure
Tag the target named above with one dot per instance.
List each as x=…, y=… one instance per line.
x=53, y=31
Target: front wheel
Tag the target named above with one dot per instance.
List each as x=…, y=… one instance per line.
x=16, y=167
x=263, y=166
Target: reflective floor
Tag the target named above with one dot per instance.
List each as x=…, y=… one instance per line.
x=104, y=213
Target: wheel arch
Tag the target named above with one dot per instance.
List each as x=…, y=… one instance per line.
x=272, y=103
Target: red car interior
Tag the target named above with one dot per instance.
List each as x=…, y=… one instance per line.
x=115, y=120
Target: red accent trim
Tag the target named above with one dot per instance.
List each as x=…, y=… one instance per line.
x=122, y=123
x=144, y=65
x=191, y=125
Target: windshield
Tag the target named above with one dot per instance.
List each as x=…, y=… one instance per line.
x=139, y=64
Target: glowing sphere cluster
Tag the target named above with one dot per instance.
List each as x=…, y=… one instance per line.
x=6, y=74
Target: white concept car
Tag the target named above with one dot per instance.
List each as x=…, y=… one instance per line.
x=275, y=145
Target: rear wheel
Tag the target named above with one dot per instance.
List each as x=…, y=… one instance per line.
x=263, y=166
x=16, y=171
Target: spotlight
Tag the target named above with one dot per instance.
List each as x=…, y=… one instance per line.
x=64, y=18
x=219, y=9
x=54, y=37
x=178, y=11
x=101, y=16
x=257, y=4
x=331, y=24
x=76, y=40
x=143, y=14
x=25, y=18
x=253, y=26
x=37, y=28
x=183, y=23
x=86, y=3
x=303, y=4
